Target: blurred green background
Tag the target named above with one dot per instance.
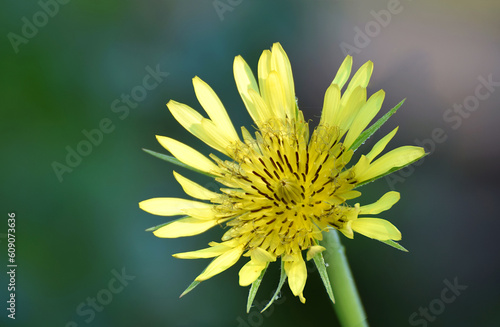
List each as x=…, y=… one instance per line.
x=69, y=66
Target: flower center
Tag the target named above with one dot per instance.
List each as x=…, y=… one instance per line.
x=288, y=190
x=282, y=186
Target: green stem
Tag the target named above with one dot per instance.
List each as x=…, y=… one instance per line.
x=347, y=305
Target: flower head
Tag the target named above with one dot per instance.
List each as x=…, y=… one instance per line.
x=282, y=186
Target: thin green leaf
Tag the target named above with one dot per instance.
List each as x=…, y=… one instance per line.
x=395, y=245
x=320, y=264
x=390, y=171
x=280, y=285
x=373, y=128
x=176, y=161
x=254, y=288
x=152, y=229
x=190, y=288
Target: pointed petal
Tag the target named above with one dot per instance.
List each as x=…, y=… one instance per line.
x=251, y=271
x=261, y=255
x=383, y=204
x=331, y=105
x=313, y=250
x=349, y=107
x=188, y=155
x=376, y=228
x=361, y=78
x=297, y=275
x=191, y=120
x=193, y=189
x=380, y=145
x=245, y=80
x=221, y=263
x=276, y=95
x=281, y=64
x=210, y=252
x=264, y=68
x=172, y=206
x=214, y=107
x=364, y=117
x=186, y=227
x=343, y=72
x=262, y=111
x=398, y=157
x=177, y=162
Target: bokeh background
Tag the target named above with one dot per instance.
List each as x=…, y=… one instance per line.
x=75, y=69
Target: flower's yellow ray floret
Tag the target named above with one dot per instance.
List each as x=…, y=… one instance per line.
x=221, y=263
x=380, y=145
x=188, y=155
x=383, y=204
x=172, y=206
x=186, y=227
x=282, y=186
x=399, y=157
x=194, y=189
x=343, y=73
x=297, y=274
x=376, y=228
x=214, y=108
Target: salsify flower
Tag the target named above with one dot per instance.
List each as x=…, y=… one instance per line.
x=282, y=187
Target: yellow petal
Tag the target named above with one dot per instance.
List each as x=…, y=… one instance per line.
x=398, y=157
x=221, y=263
x=264, y=68
x=364, y=116
x=262, y=110
x=383, y=204
x=379, y=229
x=380, y=145
x=343, y=72
x=347, y=230
x=297, y=274
x=361, y=78
x=349, y=195
x=331, y=105
x=313, y=250
x=261, y=255
x=281, y=64
x=186, y=227
x=245, y=80
x=349, y=107
x=188, y=155
x=214, y=107
x=210, y=252
x=193, y=189
x=250, y=272
x=184, y=114
x=172, y=206
x=191, y=120
x=276, y=95
x=249, y=140
x=211, y=135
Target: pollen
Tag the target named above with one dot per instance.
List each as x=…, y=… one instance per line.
x=287, y=181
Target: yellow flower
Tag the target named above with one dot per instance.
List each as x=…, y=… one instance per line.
x=281, y=187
